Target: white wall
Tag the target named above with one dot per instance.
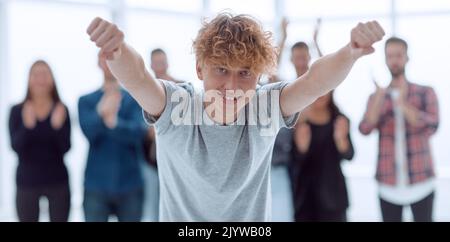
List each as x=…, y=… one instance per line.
x=56, y=33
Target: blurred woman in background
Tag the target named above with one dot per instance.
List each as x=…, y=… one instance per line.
x=321, y=141
x=39, y=130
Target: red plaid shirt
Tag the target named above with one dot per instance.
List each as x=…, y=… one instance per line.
x=420, y=163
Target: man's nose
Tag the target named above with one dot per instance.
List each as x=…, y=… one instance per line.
x=232, y=83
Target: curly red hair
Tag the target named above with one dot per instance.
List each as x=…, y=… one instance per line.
x=236, y=41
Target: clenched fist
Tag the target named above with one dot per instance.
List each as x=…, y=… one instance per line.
x=107, y=36
x=363, y=36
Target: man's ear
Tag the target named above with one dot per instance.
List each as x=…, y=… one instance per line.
x=198, y=67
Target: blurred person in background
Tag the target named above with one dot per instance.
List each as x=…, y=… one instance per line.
x=39, y=129
x=160, y=65
x=112, y=122
x=151, y=179
x=282, y=153
x=406, y=115
x=321, y=140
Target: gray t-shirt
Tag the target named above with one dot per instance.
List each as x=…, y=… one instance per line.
x=215, y=172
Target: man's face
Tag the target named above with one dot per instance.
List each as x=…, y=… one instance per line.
x=233, y=86
x=159, y=63
x=300, y=58
x=396, y=58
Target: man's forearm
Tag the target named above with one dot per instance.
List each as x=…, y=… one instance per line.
x=324, y=75
x=129, y=69
x=329, y=71
x=127, y=66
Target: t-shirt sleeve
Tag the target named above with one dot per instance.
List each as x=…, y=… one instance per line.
x=173, y=92
x=274, y=91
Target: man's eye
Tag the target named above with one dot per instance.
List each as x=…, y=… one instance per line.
x=221, y=70
x=245, y=73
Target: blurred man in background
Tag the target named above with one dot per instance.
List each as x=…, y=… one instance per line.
x=406, y=115
x=160, y=65
x=112, y=122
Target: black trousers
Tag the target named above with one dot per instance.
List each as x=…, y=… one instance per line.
x=422, y=210
x=58, y=196
x=310, y=211
x=321, y=216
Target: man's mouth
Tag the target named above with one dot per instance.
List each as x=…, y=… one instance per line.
x=230, y=99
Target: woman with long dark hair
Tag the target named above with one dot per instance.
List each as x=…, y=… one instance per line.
x=39, y=130
x=321, y=141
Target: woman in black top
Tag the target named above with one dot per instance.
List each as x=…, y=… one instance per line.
x=321, y=141
x=39, y=130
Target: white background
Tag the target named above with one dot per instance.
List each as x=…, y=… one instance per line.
x=55, y=31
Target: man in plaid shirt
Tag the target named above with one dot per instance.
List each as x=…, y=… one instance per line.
x=406, y=115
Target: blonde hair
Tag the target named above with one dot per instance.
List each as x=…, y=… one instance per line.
x=236, y=41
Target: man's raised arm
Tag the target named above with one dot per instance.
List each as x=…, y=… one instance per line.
x=329, y=71
x=128, y=66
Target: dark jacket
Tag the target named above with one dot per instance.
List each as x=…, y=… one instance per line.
x=318, y=171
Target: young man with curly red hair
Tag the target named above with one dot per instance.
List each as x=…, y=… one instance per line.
x=219, y=170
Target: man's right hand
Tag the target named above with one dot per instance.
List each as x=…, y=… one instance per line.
x=107, y=36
